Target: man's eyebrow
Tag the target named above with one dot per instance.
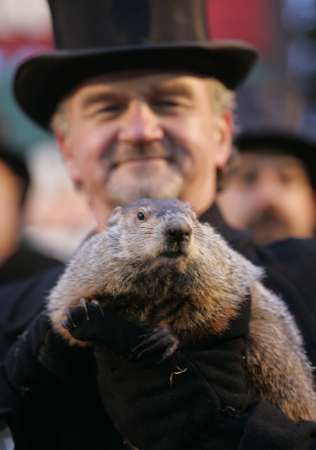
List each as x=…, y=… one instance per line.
x=289, y=167
x=100, y=97
x=179, y=89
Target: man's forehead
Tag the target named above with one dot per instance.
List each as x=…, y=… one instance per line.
x=145, y=80
x=279, y=160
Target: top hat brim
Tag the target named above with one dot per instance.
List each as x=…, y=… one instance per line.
x=43, y=81
x=280, y=142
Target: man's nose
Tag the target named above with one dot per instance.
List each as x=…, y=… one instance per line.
x=140, y=124
x=269, y=190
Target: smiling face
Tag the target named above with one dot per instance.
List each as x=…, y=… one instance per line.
x=145, y=135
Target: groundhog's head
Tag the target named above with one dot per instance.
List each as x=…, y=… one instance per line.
x=148, y=230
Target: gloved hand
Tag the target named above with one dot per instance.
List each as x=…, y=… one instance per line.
x=38, y=348
x=195, y=399
x=51, y=388
x=51, y=393
x=91, y=322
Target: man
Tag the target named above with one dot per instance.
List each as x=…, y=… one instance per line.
x=18, y=259
x=140, y=102
x=270, y=186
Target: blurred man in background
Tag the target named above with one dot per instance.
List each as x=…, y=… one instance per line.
x=18, y=259
x=270, y=186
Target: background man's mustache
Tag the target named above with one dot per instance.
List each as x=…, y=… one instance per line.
x=267, y=217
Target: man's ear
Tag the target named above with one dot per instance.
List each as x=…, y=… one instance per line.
x=223, y=137
x=67, y=151
x=315, y=203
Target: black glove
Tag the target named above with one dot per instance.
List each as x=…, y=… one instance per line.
x=195, y=399
x=51, y=394
x=37, y=350
x=91, y=322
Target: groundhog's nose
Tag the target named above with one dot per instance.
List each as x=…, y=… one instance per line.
x=179, y=232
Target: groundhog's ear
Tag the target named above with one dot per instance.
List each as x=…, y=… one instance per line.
x=114, y=217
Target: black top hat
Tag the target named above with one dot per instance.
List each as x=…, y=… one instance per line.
x=281, y=142
x=102, y=36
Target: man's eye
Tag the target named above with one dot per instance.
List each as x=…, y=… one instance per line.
x=165, y=103
x=249, y=178
x=286, y=178
x=111, y=109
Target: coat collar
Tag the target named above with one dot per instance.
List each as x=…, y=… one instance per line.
x=240, y=240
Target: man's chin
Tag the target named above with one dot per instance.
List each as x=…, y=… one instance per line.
x=123, y=192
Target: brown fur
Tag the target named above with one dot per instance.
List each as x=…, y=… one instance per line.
x=195, y=293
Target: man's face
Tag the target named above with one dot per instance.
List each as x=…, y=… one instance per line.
x=10, y=204
x=145, y=135
x=271, y=195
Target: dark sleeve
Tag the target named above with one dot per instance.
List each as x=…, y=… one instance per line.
x=20, y=302
x=8, y=398
x=262, y=427
x=296, y=258
x=26, y=262
x=290, y=269
x=51, y=414
x=268, y=428
x=54, y=415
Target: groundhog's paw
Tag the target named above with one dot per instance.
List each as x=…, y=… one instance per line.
x=79, y=318
x=160, y=343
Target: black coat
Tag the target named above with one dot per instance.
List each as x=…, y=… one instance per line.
x=24, y=263
x=68, y=417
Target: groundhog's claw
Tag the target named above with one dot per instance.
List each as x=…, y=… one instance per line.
x=69, y=322
x=161, y=342
x=96, y=304
x=83, y=303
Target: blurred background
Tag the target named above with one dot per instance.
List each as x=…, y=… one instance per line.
x=281, y=92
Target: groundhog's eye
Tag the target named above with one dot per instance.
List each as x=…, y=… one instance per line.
x=140, y=215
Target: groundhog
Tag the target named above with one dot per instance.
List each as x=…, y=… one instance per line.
x=186, y=276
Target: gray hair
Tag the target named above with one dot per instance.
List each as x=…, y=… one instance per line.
x=223, y=99
x=60, y=118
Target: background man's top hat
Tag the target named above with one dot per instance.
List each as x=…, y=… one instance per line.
x=96, y=37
